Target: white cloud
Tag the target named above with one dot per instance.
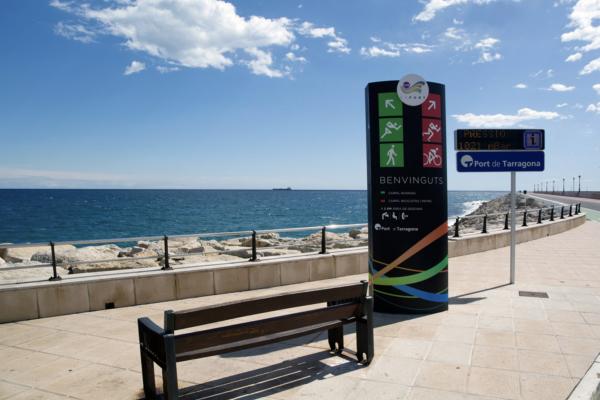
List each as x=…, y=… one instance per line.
x=455, y=33
x=486, y=57
x=375, y=51
x=165, y=70
x=388, y=49
x=336, y=44
x=134, y=68
x=262, y=62
x=582, y=23
x=590, y=67
x=520, y=86
x=194, y=33
x=594, y=108
x=76, y=32
x=573, y=57
x=294, y=58
x=561, y=105
x=596, y=87
x=488, y=54
x=559, y=87
x=578, y=106
x=432, y=7
x=543, y=74
x=504, y=120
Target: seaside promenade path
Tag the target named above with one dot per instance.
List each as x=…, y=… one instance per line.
x=591, y=206
x=492, y=343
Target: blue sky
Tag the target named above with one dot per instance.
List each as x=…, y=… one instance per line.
x=260, y=94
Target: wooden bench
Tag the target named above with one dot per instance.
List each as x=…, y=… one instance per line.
x=345, y=304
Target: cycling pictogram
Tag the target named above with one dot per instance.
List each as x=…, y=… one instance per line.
x=432, y=156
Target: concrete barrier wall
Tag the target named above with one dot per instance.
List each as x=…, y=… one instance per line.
x=79, y=293
x=489, y=241
x=92, y=292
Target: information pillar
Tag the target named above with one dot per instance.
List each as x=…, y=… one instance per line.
x=408, y=197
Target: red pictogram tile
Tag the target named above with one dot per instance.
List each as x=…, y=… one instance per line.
x=432, y=106
x=432, y=156
x=431, y=130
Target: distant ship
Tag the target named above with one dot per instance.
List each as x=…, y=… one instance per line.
x=287, y=188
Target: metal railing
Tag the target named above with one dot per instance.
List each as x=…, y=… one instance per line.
x=319, y=244
x=536, y=215
x=165, y=257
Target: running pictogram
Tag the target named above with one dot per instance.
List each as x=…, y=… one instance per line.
x=431, y=130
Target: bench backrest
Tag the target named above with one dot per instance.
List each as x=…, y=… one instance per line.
x=209, y=314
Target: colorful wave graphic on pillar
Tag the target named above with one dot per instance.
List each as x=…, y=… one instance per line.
x=402, y=283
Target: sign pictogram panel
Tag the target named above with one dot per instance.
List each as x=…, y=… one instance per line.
x=408, y=210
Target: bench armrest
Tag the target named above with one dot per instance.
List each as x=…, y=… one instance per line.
x=152, y=339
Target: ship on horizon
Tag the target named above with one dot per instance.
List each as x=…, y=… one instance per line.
x=286, y=188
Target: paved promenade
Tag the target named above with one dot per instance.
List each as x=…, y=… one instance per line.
x=491, y=344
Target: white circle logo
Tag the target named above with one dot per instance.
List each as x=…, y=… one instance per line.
x=412, y=90
x=466, y=161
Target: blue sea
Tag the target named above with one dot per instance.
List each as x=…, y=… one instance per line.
x=42, y=215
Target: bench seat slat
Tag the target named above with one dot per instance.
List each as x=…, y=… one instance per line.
x=209, y=314
x=258, y=341
x=249, y=330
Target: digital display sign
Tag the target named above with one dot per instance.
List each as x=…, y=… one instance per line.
x=498, y=139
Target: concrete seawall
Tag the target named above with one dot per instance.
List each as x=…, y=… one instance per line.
x=91, y=292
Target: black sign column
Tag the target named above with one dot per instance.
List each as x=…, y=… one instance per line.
x=408, y=211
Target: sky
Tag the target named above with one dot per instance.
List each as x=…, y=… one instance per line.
x=262, y=94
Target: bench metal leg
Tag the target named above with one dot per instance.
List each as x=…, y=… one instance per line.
x=148, y=375
x=169, y=373
x=336, y=336
x=364, y=334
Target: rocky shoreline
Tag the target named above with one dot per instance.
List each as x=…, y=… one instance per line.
x=191, y=250
x=148, y=254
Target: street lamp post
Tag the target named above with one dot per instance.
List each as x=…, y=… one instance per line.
x=563, y=186
x=546, y=186
x=553, y=185
x=579, y=190
x=573, y=184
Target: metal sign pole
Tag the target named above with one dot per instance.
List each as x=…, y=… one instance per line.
x=513, y=223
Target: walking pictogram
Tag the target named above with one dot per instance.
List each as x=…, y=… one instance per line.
x=391, y=130
x=432, y=130
x=432, y=156
x=391, y=155
x=432, y=106
x=389, y=105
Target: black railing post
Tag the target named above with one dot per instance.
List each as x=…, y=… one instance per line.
x=562, y=212
x=456, y=233
x=540, y=216
x=524, y=218
x=254, y=257
x=570, y=210
x=484, y=230
x=55, y=276
x=166, y=249
x=552, y=214
x=578, y=208
x=323, y=240
x=506, y=221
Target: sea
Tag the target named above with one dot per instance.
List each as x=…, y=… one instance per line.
x=43, y=215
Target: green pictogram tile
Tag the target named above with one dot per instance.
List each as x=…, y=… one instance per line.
x=389, y=105
x=391, y=155
x=391, y=130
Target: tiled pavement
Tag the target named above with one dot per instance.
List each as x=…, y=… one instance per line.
x=490, y=344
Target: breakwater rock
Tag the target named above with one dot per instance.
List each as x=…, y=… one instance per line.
x=496, y=210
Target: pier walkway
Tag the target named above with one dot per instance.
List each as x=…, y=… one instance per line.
x=492, y=343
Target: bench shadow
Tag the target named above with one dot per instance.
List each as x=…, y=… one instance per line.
x=267, y=381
